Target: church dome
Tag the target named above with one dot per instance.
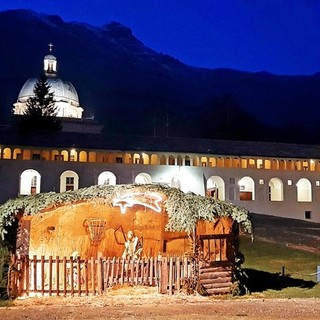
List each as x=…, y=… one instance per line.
x=65, y=95
x=62, y=90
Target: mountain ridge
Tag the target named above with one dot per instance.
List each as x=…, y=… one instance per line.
x=131, y=88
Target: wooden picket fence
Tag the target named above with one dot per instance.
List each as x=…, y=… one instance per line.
x=67, y=276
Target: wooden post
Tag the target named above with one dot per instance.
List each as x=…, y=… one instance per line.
x=34, y=273
x=132, y=272
x=79, y=276
x=170, y=276
x=136, y=279
x=164, y=275
x=99, y=271
x=150, y=261
x=64, y=266
x=86, y=277
x=178, y=268
x=112, y=271
x=106, y=273
x=21, y=279
x=117, y=271
x=92, y=261
x=71, y=277
x=185, y=267
x=123, y=261
x=144, y=271
x=50, y=275
x=57, y=275
x=42, y=275
x=27, y=275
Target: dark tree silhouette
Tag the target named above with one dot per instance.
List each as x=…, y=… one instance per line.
x=41, y=112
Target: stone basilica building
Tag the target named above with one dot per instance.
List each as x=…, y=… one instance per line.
x=267, y=178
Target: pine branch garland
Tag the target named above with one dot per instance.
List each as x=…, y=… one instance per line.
x=183, y=209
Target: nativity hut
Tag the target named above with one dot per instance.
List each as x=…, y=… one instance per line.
x=90, y=239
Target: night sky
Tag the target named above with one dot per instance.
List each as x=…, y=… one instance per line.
x=278, y=36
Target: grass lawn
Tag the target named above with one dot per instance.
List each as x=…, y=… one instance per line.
x=264, y=263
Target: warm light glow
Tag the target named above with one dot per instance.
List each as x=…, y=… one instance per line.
x=152, y=201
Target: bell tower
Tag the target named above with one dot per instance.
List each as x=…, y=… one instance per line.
x=50, y=63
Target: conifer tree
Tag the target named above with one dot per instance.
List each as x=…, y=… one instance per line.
x=41, y=112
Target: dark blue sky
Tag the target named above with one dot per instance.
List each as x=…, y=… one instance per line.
x=278, y=36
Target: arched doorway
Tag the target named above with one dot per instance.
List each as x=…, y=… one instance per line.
x=304, y=190
x=216, y=188
x=246, y=189
x=107, y=178
x=69, y=180
x=275, y=189
x=30, y=182
x=143, y=178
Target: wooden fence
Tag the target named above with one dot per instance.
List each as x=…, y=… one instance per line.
x=67, y=276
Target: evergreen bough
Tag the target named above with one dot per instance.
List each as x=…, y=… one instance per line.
x=183, y=209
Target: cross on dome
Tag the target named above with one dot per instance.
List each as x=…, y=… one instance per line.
x=50, y=45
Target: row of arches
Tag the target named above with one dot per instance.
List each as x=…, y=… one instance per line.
x=216, y=188
x=159, y=159
x=30, y=183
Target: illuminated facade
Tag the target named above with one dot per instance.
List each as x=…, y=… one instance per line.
x=262, y=177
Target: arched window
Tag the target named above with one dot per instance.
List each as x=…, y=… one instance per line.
x=312, y=165
x=107, y=178
x=304, y=190
x=163, y=160
x=236, y=163
x=143, y=178
x=17, y=154
x=252, y=163
x=69, y=180
x=290, y=165
x=283, y=165
x=154, y=159
x=30, y=182
x=6, y=153
x=204, y=161
x=297, y=165
x=179, y=161
x=267, y=164
x=216, y=188
x=145, y=158
x=259, y=163
x=187, y=161
x=220, y=162
x=228, y=162
x=246, y=189
x=45, y=154
x=55, y=155
x=196, y=161
x=275, y=189
x=275, y=164
x=127, y=158
x=136, y=158
x=64, y=155
x=73, y=155
x=83, y=156
x=171, y=161
x=92, y=156
x=244, y=163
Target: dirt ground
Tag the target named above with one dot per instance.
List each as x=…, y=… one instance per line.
x=143, y=304
x=146, y=303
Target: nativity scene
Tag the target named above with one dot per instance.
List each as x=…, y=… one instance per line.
x=88, y=240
